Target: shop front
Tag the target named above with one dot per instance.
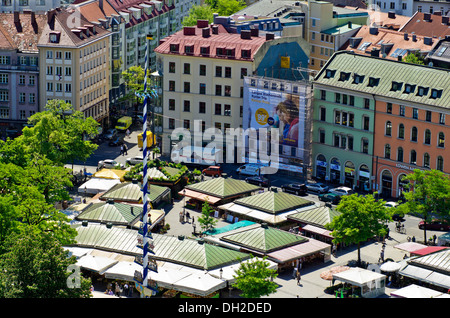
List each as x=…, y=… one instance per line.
x=321, y=167
x=335, y=171
x=349, y=174
x=364, y=179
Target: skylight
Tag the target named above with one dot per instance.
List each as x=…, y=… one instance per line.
x=364, y=46
x=399, y=52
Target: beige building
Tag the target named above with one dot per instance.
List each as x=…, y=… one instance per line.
x=75, y=64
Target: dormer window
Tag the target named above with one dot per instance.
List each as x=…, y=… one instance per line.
x=204, y=50
x=174, y=48
x=358, y=79
x=422, y=91
x=396, y=86
x=230, y=53
x=435, y=93
x=344, y=76
x=189, y=49
x=330, y=73
x=409, y=88
x=373, y=81
x=246, y=54
x=220, y=51
x=54, y=37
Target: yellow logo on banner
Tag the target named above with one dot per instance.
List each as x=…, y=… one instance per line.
x=261, y=116
x=285, y=61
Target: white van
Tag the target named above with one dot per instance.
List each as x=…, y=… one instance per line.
x=249, y=170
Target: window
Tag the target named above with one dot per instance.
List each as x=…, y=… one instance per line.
x=366, y=103
x=427, y=138
x=202, y=70
x=396, y=86
x=171, y=104
x=243, y=72
x=323, y=94
x=187, y=68
x=401, y=131
x=409, y=88
x=337, y=117
x=389, y=108
x=218, y=90
x=413, y=157
x=4, y=96
x=442, y=119
x=337, y=97
x=202, y=89
x=400, y=154
x=68, y=71
x=227, y=90
x=228, y=72
x=187, y=87
x=323, y=113
x=428, y=116
x=364, y=145
x=171, y=67
x=401, y=110
x=422, y=91
x=187, y=106
x=322, y=136
x=4, y=60
x=366, y=121
x=387, y=151
x=172, y=86
x=218, y=109
x=426, y=160
x=49, y=87
x=59, y=87
x=388, y=128
x=218, y=71
x=440, y=163
x=227, y=110
x=21, y=79
x=415, y=113
x=49, y=70
x=414, y=134
x=4, y=78
x=68, y=88
x=22, y=97
x=202, y=107
x=441, y=140
x=171, y=123
x=68, y=55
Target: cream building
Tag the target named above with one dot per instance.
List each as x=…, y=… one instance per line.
x=75, y=64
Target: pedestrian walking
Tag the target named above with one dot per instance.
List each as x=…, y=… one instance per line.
x=128, y=133
x=188, y=216
x=334, y=250
x=125, y=289
x=121, y=150
x=130, y=290
x=299, y=277
x=117, y=290
x=125, y=149
x=181, y=217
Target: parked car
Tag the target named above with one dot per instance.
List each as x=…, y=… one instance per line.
x=135, y=160
x=212, y=171
x=435, y=225
x=249, y=170
x=111, y=133
x=108, y=164
x=391, y=204
x=342, y=191
x=115, y=142
x=330, y=197
x=258, y=180
x=296, y=188
x=317, y=187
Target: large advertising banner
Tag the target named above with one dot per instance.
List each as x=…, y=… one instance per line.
x=265, y=108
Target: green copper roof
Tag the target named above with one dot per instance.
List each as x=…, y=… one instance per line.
x=379, y=76
x=273, y=202
x=264, y=239
x=132, y=192
x=318, y=216
x=223, y=187
x=113, y=212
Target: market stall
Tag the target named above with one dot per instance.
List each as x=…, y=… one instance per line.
x=415, y=291
x=97, y=185
x=368, y=284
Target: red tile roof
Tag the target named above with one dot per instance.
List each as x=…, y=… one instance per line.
x=92, y=11
x=223, y=39
x=431, y=28
x=389, y=37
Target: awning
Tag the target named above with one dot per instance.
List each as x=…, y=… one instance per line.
x=199, y=196
x=317, y=230
x=428, y=250
x=426, y=276
x=123, y=271
x=310, y=247
x=415, y=291
x=410, y=246
x=96, y=263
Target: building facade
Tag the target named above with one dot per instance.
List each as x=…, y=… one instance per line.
x=407, y=105
x=36, y=6
x=75, y=64
x=19, y=70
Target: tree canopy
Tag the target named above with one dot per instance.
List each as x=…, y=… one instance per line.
x=207, y=10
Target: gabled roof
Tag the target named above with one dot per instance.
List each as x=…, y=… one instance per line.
x=111, y=212
x=318, y=216
x=432, y=27
x=132, y=192
x=274, y=202
x=387, y=78
x=264, y=239
x=223, y=187
x=92, y=11
x=394, y=41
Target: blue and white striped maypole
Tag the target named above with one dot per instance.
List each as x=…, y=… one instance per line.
x=145, y=178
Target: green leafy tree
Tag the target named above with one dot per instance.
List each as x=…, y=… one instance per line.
x=414, y=58
x=255, y=279
x=361, y=218
x=428, y=196
x=228, y=7
x=206, y=220
x=198, y=12
x=36, y=266
x=58, y=133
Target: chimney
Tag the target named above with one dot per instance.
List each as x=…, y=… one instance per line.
x=445, y=20
x=202, y=24
x=254, y=32
x=405, y=35
x=188, y=30
x=427, y=40
x=375, y=52
x=373, y=30
x=399, y=58
x=270, y=36
x=246, y=34
x=427, y=17
x=414, y=37
x=205, y=32
x=391, y=15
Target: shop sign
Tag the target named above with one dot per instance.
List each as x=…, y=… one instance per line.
x=364, y=174
x=321, y=163
x=349, y=170
x=401, y=166
x=335, y=167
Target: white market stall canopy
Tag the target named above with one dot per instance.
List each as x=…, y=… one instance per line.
x=415, y=291
x=97, y=185
x=372, y=283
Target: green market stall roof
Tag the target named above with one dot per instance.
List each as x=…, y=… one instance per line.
x=111, y=212
x=319, y=216
x=223, y=187
x=132, y=192
x=179, y=250
x=274, y=202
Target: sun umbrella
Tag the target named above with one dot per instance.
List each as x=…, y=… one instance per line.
x=328, y=274
x=390, y=267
